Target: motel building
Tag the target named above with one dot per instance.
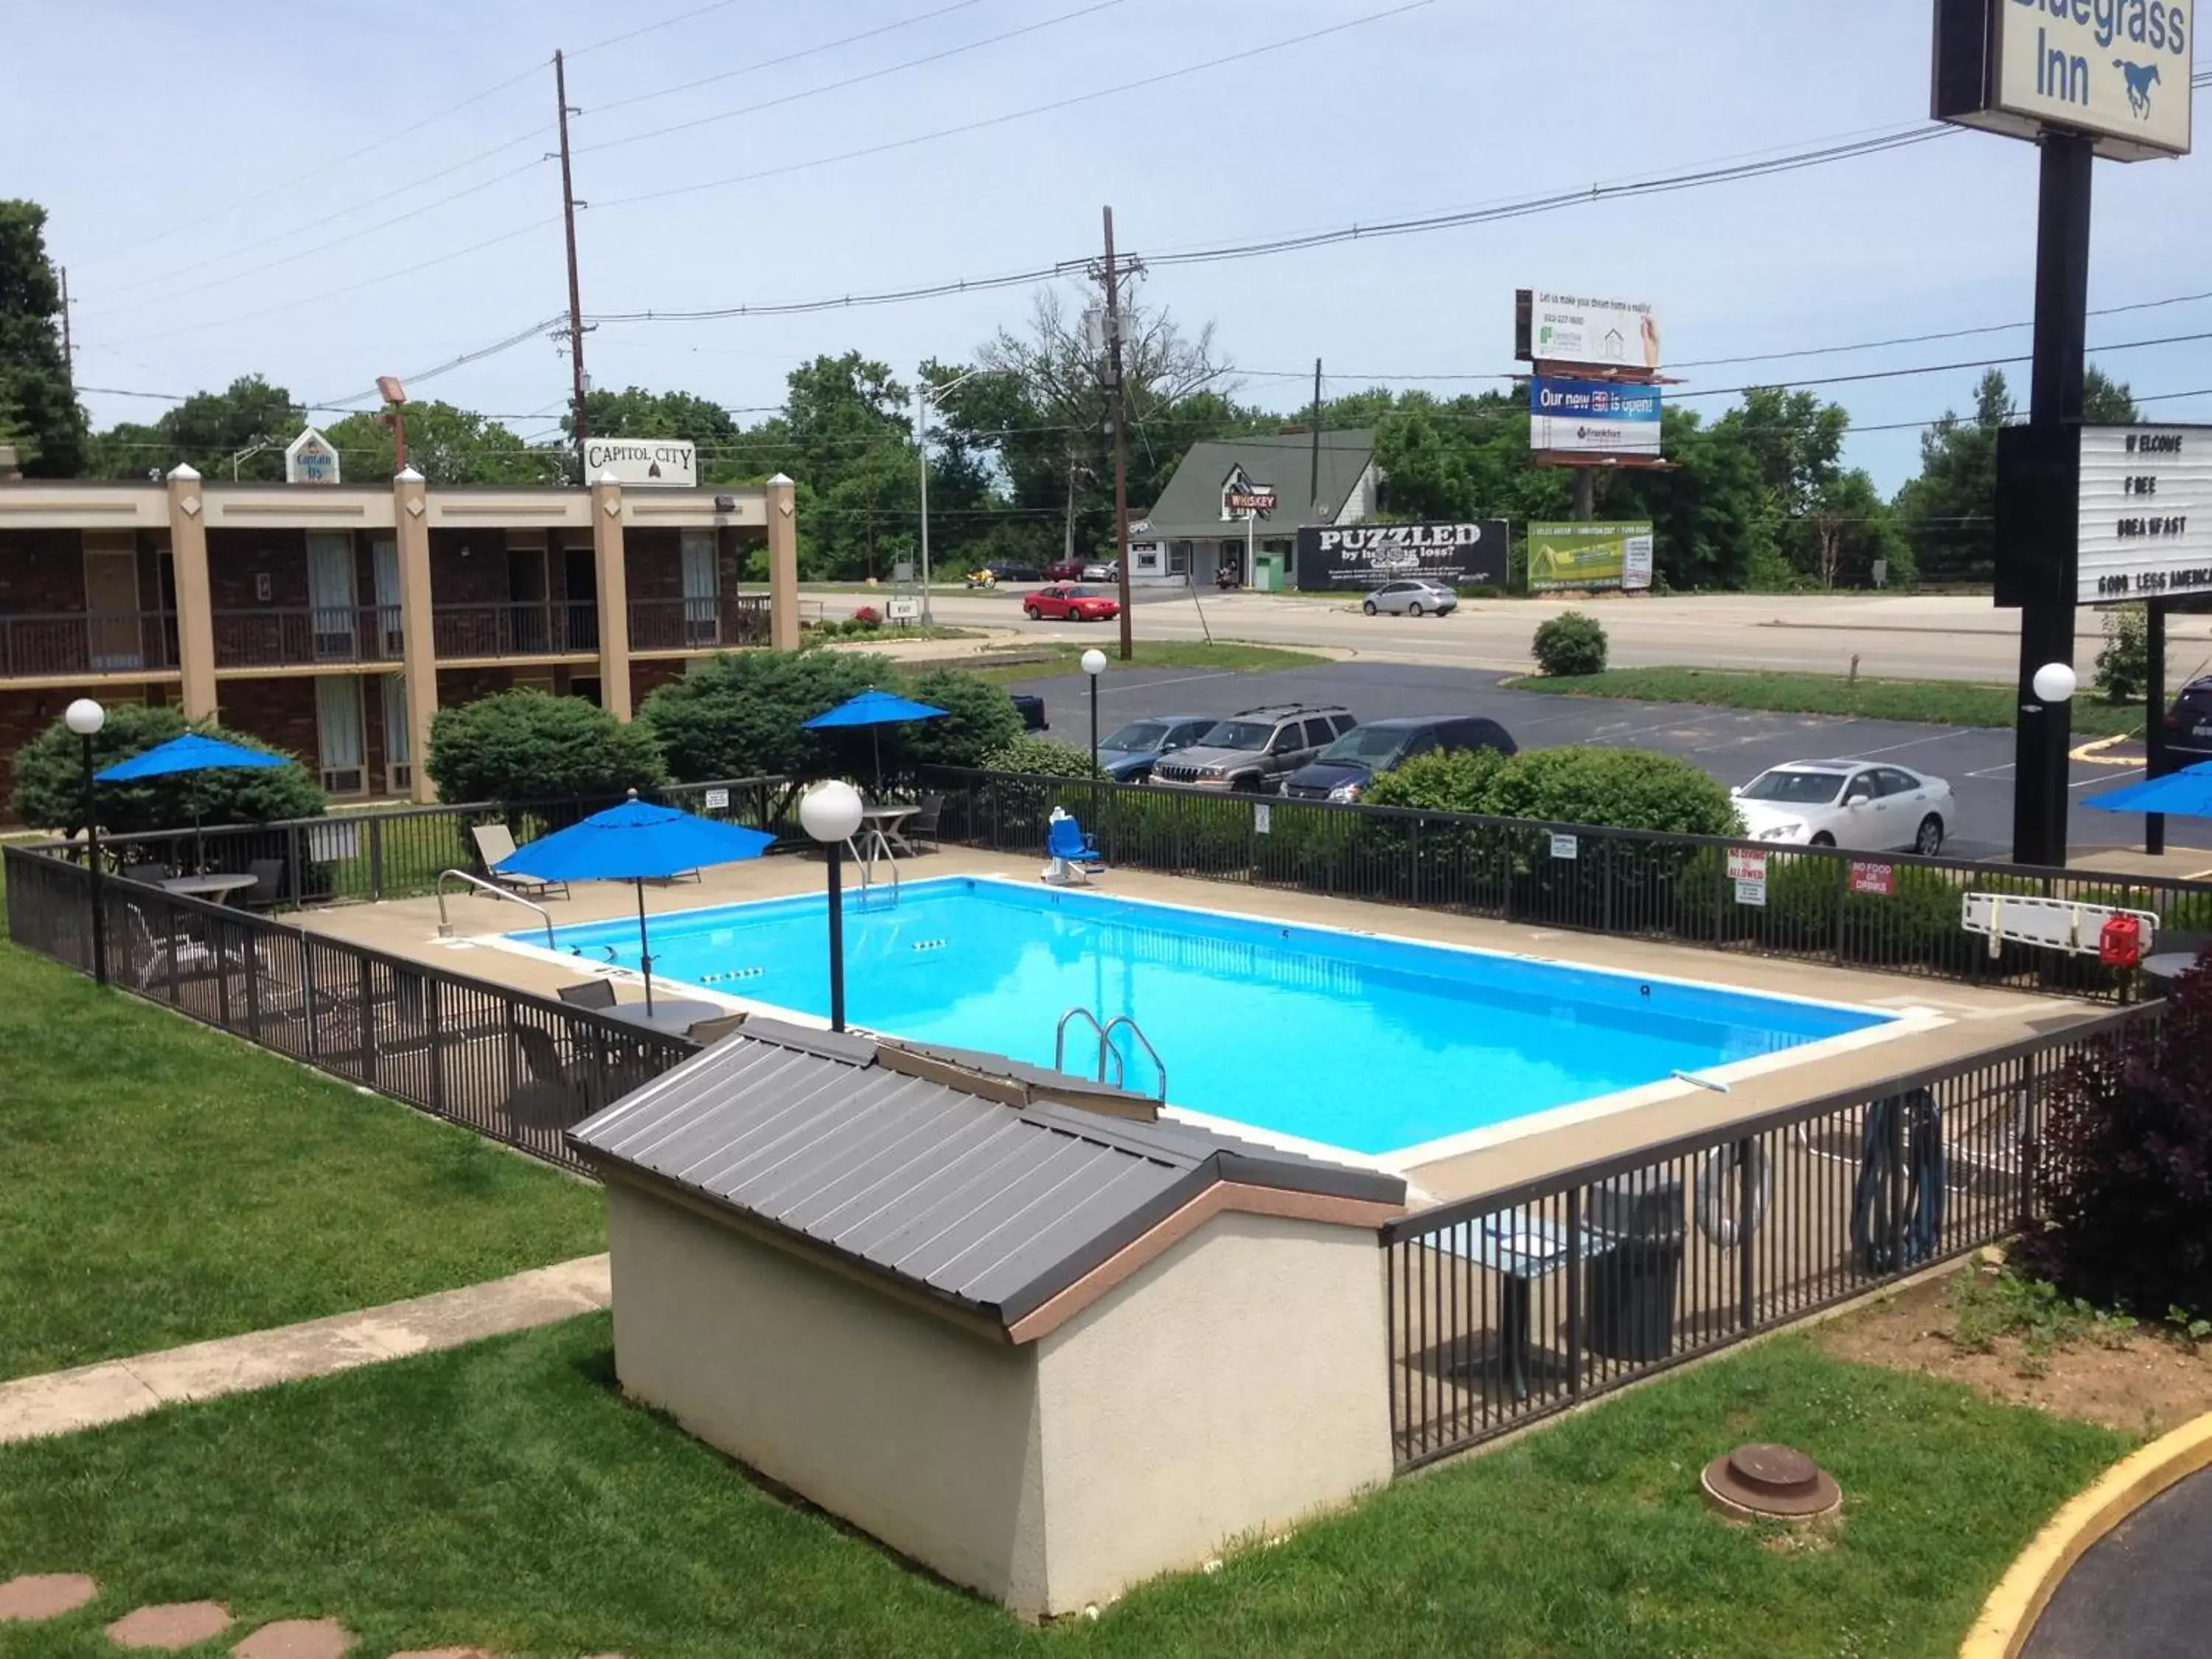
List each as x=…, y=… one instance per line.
x=1198, y=530
x=333, y=620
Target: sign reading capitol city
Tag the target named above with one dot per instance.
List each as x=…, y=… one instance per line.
x=670, y=461
x=2146, y=528
x=2116, y=70
x=1335, y=561
x=1597, y=417
x=1555, y=327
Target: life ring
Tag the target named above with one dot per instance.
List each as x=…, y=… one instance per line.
x=1716, y=1216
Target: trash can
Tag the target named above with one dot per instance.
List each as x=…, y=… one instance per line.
x=1635, y=1261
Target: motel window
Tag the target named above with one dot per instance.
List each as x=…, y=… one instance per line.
x=331, y=594
x=700, y=608
x=1178, y=558
x=337, y=720
x=398, y=735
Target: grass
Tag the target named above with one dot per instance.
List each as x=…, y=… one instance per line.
x=504, y=1495
x=1934, y=702
x=166, y=1184
x=1226, y=657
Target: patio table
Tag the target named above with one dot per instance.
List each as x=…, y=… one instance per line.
x=883, y=824
x=1521, y=1247
x=675, y=1017
x=218, y=888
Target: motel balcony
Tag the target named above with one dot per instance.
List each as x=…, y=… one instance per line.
x=304, y=636
x=718, y=623
x=75, y=645
x=519, y=629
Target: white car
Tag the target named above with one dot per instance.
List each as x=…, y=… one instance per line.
x=1414, y=597
x=1847, y=802
x=1102, y=573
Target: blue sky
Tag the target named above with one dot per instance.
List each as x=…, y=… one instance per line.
x=202, y=166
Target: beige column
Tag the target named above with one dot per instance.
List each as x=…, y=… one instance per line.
x=614, y=595
x=195, y=594
x=418, y=637
x=783, y=565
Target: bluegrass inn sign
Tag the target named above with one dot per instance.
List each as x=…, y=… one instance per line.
x=1358, y=556
x=2115, y=71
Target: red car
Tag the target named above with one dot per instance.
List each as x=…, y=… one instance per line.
x=1064, y=571
x=1071, y=604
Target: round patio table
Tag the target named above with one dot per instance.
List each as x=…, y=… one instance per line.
x=218, y=888
x=675, y=1016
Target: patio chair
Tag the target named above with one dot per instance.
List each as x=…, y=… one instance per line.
x=268, y=890
x=592, y=993
x=709, y=1032
x=494, y=844
x=151, y=872
x=558, y=1092
x=922, y=826
x=1071, y=853
x=155, y=956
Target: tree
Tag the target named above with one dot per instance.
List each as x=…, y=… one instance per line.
x=49, y=778
x=1850, y=529
x=242, y=430
x=745, y=716
x=446, y=445
x=37, y=397
x=534, y=746
x=2107, y=402
x=1948, y=512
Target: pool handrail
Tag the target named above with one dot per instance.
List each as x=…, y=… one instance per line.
x=446, y=927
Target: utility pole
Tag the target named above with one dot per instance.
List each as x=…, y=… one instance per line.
x=1117, y=392
x=1313, y=494
x=568, y=205
x=69, y=347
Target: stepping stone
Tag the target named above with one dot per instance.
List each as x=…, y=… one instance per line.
x=41, y=1595
x=296, y=1638
x=170, y=1625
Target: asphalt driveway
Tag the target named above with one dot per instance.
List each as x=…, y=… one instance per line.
x=1733, y=746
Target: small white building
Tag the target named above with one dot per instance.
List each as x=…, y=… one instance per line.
x=1196, y=531
x=997, y=1318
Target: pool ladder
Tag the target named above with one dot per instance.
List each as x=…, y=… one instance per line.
x=1106, y=1049
x=874, y=844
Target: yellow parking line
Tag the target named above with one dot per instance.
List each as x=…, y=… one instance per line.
x=2092, y=754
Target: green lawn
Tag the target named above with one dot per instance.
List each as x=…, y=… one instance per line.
x=504, y=1495
x=1935, y=702
x=164, y=1183
x=1226, y=657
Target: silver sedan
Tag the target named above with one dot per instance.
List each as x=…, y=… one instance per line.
x=1412, y=599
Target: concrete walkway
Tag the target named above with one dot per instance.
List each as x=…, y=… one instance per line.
x=64, y=1402
x=2143, y=1591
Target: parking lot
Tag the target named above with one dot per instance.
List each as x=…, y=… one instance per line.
x=1733, y=746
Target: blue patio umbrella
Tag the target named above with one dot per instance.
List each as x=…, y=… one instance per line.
x=191, y=753
x=2185, y=794
x=872, y=709
x=635, y=843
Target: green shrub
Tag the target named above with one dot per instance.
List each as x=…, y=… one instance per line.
x=1571, y=644
x=979, y=721
x=1613, y=788
x=2126, y=1178
x=49, y=778
x=532, y=746
x=1031, y=755
x=1458, y=781
x=2123, y=665
x=744, y=716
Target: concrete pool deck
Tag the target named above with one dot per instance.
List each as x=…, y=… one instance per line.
x=1956, y=1020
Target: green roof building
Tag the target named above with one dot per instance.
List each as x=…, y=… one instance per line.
x=1212, y=518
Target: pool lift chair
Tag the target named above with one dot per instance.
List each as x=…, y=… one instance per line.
x=1070, y=853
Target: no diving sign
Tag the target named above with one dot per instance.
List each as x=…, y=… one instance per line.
x=648, y=461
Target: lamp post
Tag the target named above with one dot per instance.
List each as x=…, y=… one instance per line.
x=923, y=396
x=831, y=813
x=85, y=718
x=2054, y=684
x=1094, y=665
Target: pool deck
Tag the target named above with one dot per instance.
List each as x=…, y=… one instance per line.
x=1960, y=1019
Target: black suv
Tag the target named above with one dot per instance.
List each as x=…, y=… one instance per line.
x=2189, y=723
x=1355, y=760
x=1253, y=752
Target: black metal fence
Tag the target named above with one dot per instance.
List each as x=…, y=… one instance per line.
x=1894, y=912
x=516, y=1069
x=400, y=851
x=1521, y=1303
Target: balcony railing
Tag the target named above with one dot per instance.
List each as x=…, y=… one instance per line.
x=298, y=638
x=88, y=642
x=699, y=624
x=534, y=629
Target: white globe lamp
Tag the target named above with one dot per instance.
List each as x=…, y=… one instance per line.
x=84, y=717
x=1094, y=662
x=2056, y=683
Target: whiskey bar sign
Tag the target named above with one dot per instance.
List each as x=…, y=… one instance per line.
x=2145, y=524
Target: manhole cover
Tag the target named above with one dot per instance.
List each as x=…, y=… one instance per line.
x=1769, y=1482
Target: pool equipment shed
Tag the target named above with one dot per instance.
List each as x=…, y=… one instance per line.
x=1046, y=1349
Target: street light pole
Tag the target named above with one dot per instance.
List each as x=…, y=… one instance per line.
x=1094, y=665
x=85, y=718
x=831, y=812
x=923, y=396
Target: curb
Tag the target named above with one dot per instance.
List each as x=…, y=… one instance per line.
x=2009, y=1617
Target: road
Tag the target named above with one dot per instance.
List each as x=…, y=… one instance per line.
x=1733, y=746
x=1909, y=637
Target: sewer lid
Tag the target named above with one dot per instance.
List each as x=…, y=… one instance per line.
x=1776, y=1482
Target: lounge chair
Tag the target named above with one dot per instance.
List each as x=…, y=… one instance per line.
x=496, y=844
x=1072, y=855
x=592, y=993
x=155, y=956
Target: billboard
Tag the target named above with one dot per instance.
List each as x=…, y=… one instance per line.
x=1562, y=557
x=1551, y=326
x=1593, y=418
x=1333, y=560
x=2146, y=526
x=662, y=461
x=2118, y=70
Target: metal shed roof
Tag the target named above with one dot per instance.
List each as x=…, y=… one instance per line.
x=986, y=1204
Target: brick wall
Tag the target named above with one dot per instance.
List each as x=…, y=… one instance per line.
x=645, y=676
x=653, y=562
x=279, y=712
x=458, y=685
x=41, y=572
x=238, y=558
x=480, y=578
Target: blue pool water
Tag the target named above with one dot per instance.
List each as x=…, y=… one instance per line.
x=1371, y=1044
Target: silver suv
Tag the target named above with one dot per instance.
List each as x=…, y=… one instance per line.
x=1253, y=752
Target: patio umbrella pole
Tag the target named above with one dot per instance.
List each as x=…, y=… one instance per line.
x=644, y=948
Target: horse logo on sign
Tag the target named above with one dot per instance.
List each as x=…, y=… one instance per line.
x=2140, y=78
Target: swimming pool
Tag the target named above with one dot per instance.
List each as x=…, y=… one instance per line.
x=1347, y=1040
